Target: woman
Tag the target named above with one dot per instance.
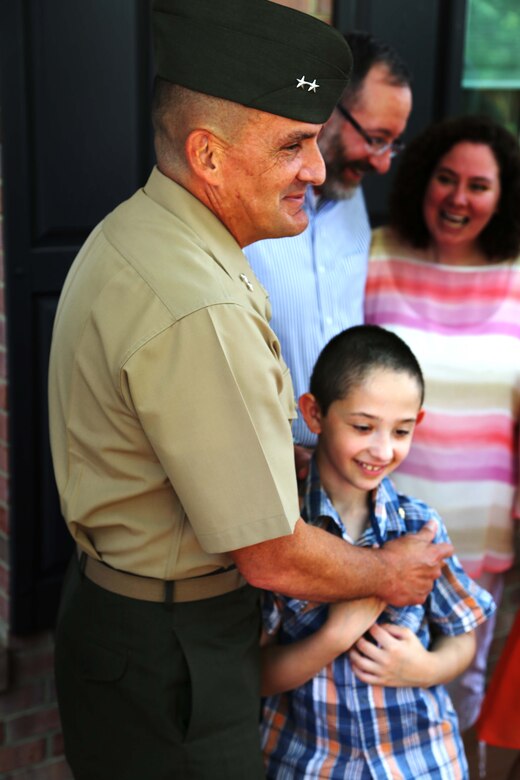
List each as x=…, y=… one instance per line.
x=445, y=275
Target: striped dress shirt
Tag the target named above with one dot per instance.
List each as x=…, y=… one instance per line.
x=316, y=283
x=336, y=726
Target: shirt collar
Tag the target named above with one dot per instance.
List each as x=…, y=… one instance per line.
x=386, y=511
x=315, y=202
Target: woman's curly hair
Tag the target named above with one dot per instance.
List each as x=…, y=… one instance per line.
x=500, y=239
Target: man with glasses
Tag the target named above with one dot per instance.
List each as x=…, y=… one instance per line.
x=316, y=280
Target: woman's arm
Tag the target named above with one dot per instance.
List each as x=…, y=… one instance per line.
x=285, y=667
x=399, y=659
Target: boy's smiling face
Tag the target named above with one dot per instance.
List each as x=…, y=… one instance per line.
x=367, y=434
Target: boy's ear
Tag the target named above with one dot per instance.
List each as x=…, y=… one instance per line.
x=311, y=412
x=420, y=416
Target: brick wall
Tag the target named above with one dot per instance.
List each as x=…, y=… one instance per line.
x=31, y=745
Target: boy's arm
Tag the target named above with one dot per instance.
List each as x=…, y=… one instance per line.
x=399, y=659
x=285, y=667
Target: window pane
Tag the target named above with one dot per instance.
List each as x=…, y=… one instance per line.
x=492, y=53
x=491, y=75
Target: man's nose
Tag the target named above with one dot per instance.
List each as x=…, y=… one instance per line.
x=313, y=167
x=381, y=162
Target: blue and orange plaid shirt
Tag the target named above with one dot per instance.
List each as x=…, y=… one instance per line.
x=336, y=726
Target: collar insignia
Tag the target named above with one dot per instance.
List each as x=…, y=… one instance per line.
x=243, y=278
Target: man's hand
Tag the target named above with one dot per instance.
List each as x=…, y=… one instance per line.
x=414, y=563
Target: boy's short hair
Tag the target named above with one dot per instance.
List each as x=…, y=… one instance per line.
x=349, y=357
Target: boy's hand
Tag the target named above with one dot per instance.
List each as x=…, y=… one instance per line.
x=412, y=565
x=397, y=659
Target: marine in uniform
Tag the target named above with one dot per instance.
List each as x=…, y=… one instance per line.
x=170, y=407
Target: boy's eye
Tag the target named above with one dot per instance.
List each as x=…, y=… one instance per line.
x=479, y=187
x=362, y=428
x=402, y=432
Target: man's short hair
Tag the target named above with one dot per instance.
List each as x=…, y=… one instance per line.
x=368, y=51
x=348, y=358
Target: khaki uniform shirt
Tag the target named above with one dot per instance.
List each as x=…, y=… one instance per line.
x=169, y=400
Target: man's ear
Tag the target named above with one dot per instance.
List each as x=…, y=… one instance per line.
x=311, y=413
x=420, y=416
x=202, y=151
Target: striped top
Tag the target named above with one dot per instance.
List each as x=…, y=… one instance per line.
x=463, y=324
x=315, y=282
x=335, y=725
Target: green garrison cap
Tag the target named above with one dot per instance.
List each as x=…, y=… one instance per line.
x=255, y=52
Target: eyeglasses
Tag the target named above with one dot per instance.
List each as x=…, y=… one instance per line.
x=376, y=146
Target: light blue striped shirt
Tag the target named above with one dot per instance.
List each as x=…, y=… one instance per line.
x=316, y=284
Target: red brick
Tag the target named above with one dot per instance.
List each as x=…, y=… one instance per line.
x=4, y=607
x=3, y=427
x=4, y=549
x=4, y=395
x=58, y=748
x=4, y=487
x=18, y=699
x=33, y=725
x=34, y=665
x=55, y=770
x=19, y=756
x=4, y=458
x=4, y=520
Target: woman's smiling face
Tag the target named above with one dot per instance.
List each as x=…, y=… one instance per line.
x=462, y=196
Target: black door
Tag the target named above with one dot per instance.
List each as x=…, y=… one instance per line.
x=76, y=140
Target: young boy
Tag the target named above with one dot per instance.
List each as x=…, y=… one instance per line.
x=379, y=711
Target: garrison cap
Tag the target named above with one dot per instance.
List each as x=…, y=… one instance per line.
x=254, y=52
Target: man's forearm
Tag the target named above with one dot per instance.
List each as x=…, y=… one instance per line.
x=313, y=564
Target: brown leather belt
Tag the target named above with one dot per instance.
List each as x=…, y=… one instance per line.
x=151, y=589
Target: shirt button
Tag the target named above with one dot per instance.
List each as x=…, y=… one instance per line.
x=328, y=320
x=321, y=269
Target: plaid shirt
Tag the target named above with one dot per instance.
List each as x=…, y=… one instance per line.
x=336, y=726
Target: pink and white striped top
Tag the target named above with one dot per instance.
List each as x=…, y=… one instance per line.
x=463, y=324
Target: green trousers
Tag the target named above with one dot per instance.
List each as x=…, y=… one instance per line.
x=155, y=692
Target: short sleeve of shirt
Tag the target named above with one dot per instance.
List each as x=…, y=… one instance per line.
x=215, y=400
x=456, y=604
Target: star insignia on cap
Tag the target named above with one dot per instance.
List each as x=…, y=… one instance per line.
x=302, y=83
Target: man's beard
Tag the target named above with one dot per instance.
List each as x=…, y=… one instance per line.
x=336, y=162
